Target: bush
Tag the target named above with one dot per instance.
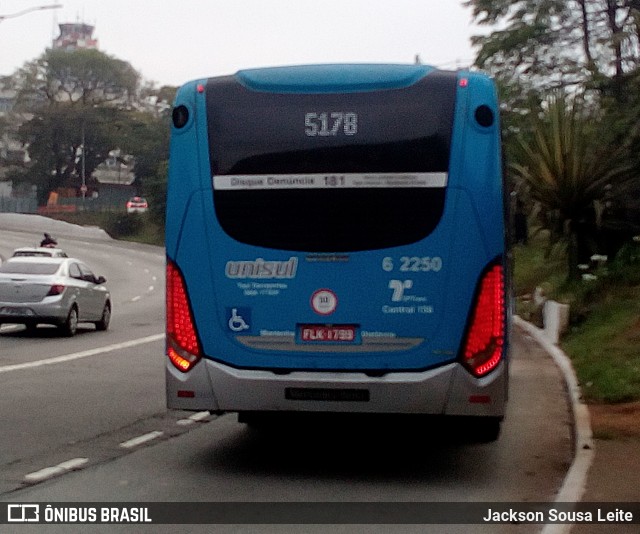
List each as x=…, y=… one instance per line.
x=124, y=225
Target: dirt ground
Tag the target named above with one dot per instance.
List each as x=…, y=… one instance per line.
x=614, y=475
x=615, y=421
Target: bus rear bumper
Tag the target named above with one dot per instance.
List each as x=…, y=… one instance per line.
x=446, y=390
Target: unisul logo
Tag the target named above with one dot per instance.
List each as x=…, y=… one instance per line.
x=260, y=268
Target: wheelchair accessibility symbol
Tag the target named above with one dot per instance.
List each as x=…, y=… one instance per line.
x=239, y=319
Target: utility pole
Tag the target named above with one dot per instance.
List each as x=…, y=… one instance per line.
x=83, y=187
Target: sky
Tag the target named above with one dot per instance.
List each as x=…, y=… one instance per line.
x=173, y=41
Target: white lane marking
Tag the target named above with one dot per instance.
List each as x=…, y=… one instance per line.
x=82, y=354
x=141, y=439
x=48, y=472
x=73, y=464
x=154, y=278
x=575, y=481
x=136, y=298
x=199, y=416
x=195, y=418
x=10, y=328
x=43, y=474
x=151, y=288
x=77, y=463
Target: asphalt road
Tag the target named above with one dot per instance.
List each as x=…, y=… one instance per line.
x=106, y=380
x=85, y=420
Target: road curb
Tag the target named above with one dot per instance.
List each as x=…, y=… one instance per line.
x=574, y=485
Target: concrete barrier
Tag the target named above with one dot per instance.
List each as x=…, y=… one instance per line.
x=555, y=318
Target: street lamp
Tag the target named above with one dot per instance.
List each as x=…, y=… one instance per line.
x=29, y=10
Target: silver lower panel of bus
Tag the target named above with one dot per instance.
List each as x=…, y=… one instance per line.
x=447, y=390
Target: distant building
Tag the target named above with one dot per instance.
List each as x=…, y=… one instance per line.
x=116, y=169
x=7, y=99
x=75, y=35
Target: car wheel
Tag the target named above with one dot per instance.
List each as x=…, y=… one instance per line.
x=103, y=323
x=70, y=326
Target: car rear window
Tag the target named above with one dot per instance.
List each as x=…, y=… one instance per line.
x=17, y=267
x=32, y=253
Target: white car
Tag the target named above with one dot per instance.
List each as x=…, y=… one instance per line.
x=60, y=291
x=137, y=205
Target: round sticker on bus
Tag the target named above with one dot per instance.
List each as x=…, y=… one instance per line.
x=324, y=301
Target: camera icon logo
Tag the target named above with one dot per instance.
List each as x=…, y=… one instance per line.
x=23, y=513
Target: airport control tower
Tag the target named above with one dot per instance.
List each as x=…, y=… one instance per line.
x=75, y=35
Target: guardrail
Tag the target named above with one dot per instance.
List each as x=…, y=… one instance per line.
x=18, y=205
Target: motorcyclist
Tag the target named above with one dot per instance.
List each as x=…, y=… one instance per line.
x=48, y=241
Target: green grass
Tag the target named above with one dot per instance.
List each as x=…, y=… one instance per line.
x=534, y=266
x=147, y=231
x=140, y=228
x=605, y=347
x=604, y=337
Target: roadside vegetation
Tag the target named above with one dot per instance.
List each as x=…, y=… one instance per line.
x=603, y=338
x=79, y=112
x=569, y=76
x=137, y=227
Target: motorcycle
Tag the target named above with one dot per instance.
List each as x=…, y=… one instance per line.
x=48, y=242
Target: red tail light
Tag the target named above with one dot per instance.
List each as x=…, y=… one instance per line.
x=486, y=334
x=183, y=348
x=55, y=289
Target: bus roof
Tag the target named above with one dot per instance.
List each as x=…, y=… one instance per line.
x=332, y=78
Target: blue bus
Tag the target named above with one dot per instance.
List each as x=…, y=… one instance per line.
x=336, y=242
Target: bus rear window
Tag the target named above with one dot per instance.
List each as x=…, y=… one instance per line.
x=341, y=142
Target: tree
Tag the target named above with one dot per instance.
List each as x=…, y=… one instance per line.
x=570, y=169
x=85, y=77
x=624, y=128
x=557, y=43
x=56, y=137
x=588, y=47
x=156, y=191
x=78, y=102
x=146, y=136
x=166, y=94
x=528, y=44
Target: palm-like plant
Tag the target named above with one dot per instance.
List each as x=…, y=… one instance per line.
x=569, y=170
